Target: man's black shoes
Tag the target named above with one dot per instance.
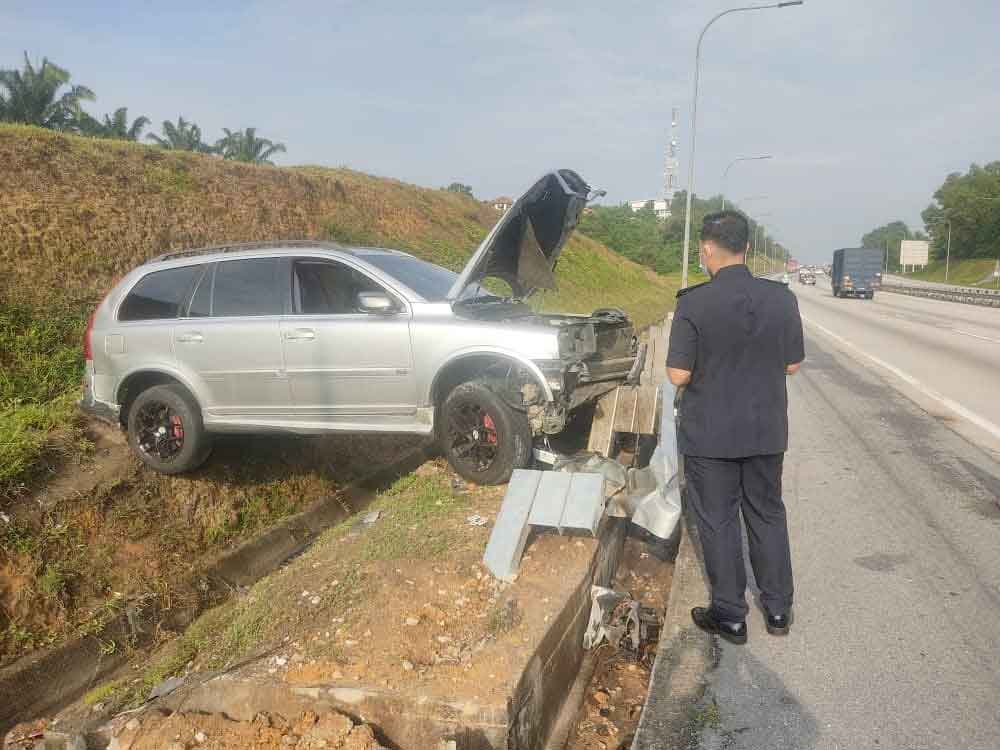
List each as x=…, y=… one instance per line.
x=778, y=624
x=734, y=632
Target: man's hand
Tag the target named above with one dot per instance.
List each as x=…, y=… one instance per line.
x=792, y=369
x=678, y=377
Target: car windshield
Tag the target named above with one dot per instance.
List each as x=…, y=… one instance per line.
x=429, y=281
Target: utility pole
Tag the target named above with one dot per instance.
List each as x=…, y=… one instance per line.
x=694, y=123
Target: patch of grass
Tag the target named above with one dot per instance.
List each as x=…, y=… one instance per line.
x=40, y=369
x=706, y=716
x=170, y=177
x=260, y=510
x=348, y=235
x=968, y=272
x=216, y=639
x=104, y=692
x=53, y=580
x=26, y=435
x=503, y=617
x=407, y=527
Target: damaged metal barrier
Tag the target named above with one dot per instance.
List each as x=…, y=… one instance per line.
x=618, y=619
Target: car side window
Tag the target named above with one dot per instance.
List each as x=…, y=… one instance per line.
x=323, y=287
x=159, y=295
x=247, y=287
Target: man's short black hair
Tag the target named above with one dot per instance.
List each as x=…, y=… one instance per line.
x=729, y=230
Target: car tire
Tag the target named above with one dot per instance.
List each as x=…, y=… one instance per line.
x=166, y=430
x=483, y=437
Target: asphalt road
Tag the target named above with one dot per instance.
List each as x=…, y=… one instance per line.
x=943, y=354
x=895, y=529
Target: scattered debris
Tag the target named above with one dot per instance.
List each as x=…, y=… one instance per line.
x=165, y=688
x=310, y=731
x=618, y=619
x=476, y=520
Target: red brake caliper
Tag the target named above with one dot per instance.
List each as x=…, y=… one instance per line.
x=177, y=428
x=491, y=429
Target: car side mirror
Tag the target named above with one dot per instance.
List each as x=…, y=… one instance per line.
x=376, y=303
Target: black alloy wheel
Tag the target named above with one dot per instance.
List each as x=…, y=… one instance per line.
x=159, y=431
x=165, y=430
x=472, y=436
x=483, y=437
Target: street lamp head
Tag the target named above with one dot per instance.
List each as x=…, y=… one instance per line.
x=790, y=3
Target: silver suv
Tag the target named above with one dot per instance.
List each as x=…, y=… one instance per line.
x=314, y=337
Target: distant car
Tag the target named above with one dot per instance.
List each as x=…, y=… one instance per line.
x=807, y=277
x=316, y=337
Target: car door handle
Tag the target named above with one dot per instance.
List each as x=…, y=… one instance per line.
x=190, y=337
x=300, y=334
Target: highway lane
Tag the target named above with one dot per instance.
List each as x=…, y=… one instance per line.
x=895, y=535
x=945, y=355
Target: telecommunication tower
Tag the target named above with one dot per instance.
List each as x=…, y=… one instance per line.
x=671, y=163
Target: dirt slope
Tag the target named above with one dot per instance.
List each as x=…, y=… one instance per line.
x=76, y=213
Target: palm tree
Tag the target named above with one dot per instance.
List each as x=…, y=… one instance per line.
x=244, y=145
x=32, y=96
x=117, y=125
x=114, y=126
x=184, y=136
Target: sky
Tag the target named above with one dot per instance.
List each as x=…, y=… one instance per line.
x=865, y=105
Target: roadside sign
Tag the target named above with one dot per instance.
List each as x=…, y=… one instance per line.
x=913, y=252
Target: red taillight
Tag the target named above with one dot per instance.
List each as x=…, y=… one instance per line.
x=88, y=349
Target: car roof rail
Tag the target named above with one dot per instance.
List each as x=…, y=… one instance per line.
x=239, y=247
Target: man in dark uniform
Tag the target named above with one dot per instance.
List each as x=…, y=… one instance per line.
x=733, y=341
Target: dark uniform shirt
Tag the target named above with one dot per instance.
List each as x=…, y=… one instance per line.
x=736, y=334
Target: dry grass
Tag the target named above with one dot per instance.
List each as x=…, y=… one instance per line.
x=76, y=213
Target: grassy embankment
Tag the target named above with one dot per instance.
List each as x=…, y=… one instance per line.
x=970, y=272
x=75, y=214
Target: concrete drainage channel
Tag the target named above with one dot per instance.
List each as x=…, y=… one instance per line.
x=28, y=688
x=533, y=708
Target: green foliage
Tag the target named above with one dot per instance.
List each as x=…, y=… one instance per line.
x=32, y=96
x=461, y=188
x=639, y=236
x=888, y=235
x=114, y=126
x=184, y=136
x=244, y=145
x=40, y=370
x=971, y=202
x=659, y=244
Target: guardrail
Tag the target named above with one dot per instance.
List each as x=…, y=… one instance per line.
x=968, y=295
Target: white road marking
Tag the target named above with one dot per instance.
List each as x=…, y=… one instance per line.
x=954, y=406
x=976, y=336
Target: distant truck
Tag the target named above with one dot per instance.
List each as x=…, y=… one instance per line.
x=856, y=272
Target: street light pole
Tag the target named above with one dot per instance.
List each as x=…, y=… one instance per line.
x=694, y=124
x=947, y=259
x=726, y=173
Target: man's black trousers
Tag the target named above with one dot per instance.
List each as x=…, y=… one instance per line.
x=717, y=490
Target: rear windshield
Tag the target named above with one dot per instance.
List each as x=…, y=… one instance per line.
x=159, y=295
x=429, y=281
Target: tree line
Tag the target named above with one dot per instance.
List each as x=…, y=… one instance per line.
x=641, y=236
x=968, y=204
x=43, y=96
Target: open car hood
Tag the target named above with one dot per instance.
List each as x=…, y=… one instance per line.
x=523, y=247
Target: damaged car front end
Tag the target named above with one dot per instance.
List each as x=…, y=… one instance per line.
x=587, y=355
